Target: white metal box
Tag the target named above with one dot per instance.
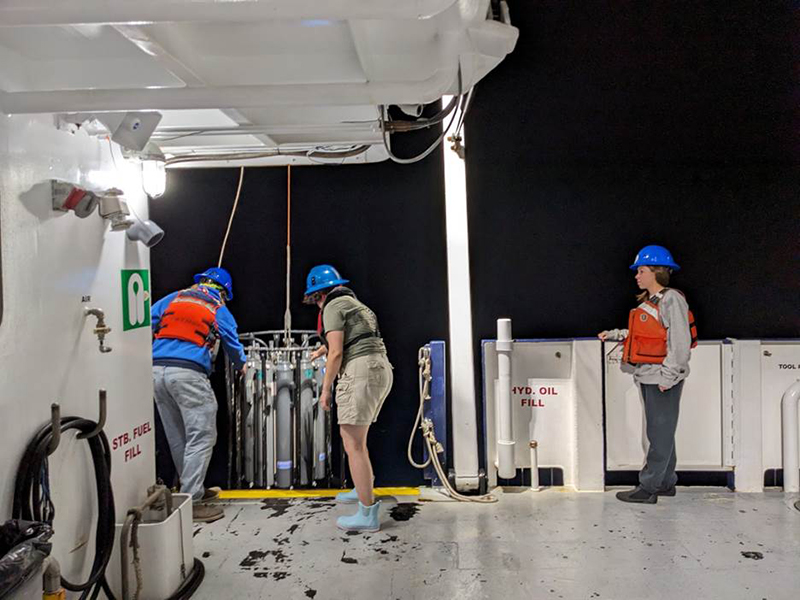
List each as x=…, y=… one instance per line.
x=166, y=552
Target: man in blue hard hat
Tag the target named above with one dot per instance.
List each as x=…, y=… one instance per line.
x=187, y=326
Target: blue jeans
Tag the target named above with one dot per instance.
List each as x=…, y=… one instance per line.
x=188, y=410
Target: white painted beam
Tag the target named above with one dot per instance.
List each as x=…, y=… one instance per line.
x=138, y=37
x=73, y=12
x=242, y=96
x=359, y=32
x=262, y=136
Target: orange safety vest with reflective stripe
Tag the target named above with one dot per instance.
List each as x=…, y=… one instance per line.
x=647, y=336
x=191, y=317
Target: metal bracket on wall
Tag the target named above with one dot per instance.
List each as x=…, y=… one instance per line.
x=101, y=420
x=55, y=423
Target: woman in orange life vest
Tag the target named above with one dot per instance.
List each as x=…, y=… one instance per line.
x=657, y=347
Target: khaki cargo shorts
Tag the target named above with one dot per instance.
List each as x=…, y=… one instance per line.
x=363, y=386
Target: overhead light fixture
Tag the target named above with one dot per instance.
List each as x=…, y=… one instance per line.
x=154, y=170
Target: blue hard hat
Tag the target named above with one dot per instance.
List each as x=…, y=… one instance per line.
x=322, y=277
x=221, y=276
x=654, y=256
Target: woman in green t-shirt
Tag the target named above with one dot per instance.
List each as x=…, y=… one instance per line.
x=357, y=358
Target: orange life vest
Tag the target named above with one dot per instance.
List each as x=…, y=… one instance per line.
x=647, y=337
x=191, y=317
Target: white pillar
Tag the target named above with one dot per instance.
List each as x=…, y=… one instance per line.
x=462, y=370
x=588, y=439
x=748, y=437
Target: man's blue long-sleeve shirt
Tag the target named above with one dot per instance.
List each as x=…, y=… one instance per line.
x=180, y=350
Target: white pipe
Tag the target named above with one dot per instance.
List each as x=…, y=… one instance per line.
x=505, y=438
x=74, y=12
x=171, y=131
x=791, y=448
x=535, y=466
x=534, y=446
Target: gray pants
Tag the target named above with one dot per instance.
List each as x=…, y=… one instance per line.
x=188, y=410
x=661, y=412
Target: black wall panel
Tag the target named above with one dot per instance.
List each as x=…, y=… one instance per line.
x=382, y=225
x=616, y=125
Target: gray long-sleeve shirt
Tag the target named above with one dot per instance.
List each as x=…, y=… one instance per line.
x=673, y=311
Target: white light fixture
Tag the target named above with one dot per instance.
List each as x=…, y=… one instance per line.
x=154, y=171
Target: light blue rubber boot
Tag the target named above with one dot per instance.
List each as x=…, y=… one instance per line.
x=350, y=497
x=366, y=519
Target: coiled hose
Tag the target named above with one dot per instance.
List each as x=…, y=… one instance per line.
x=432, y=445
x=32, y=497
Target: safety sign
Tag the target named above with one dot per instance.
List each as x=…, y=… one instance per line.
x=135, y=299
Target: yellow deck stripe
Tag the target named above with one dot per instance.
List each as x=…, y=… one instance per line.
x=264, y=494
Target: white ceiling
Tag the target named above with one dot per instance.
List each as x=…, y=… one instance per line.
x=252, y=75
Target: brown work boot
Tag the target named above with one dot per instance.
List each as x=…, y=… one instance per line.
x=205, y=513
x=210, y=494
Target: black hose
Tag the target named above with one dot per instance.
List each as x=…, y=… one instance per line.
x=191, y=583
x=28, y=497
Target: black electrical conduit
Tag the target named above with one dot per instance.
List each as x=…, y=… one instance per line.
x=29, y=496
x=191, y=583
x=29, y=492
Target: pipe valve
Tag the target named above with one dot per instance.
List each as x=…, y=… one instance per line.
x=100, y=329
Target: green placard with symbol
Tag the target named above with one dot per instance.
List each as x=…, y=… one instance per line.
x=135, y=299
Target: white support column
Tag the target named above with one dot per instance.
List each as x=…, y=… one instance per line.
x=462, y=371
x=587, y=377
x=748, y=433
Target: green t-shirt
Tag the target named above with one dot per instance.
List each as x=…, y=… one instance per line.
x=354, y=318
